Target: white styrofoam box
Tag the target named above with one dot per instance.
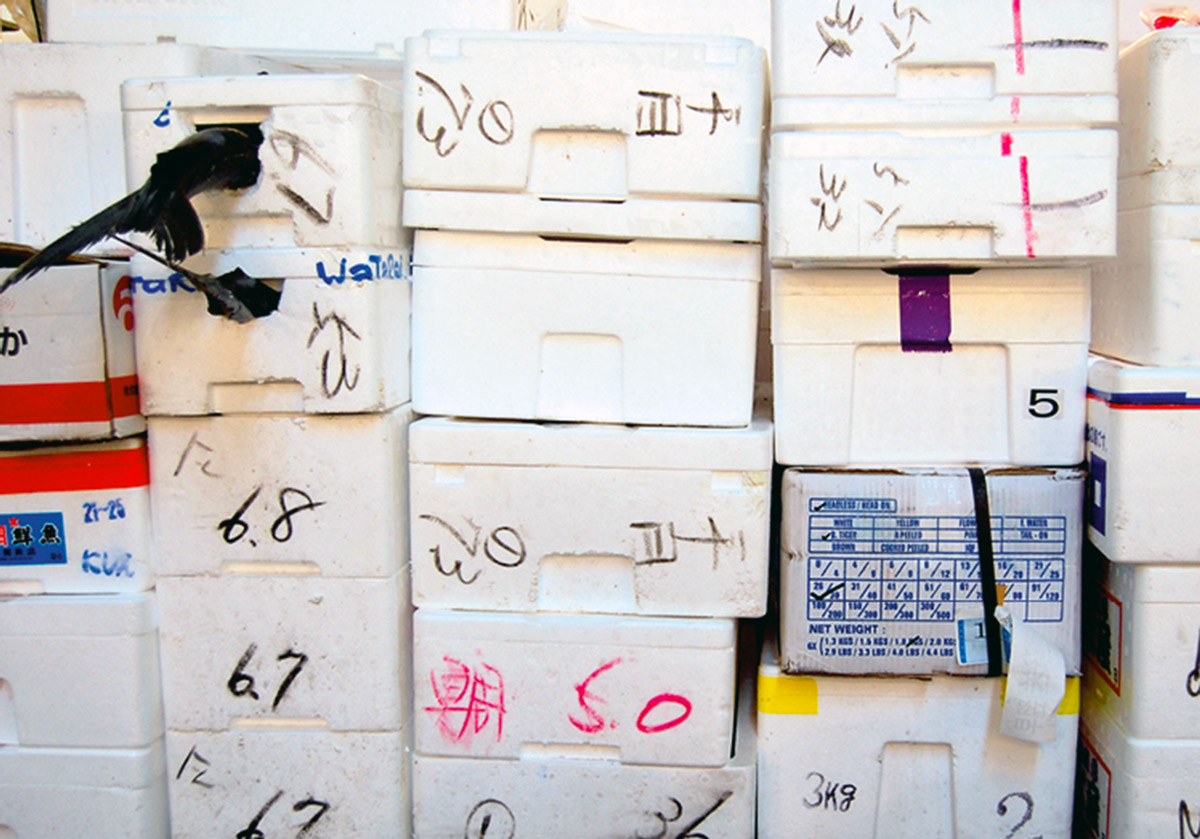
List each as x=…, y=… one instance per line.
x=677, y=518
x=930, y=368
x=75, y=519
x=944, y=49
x=1142, y=424
x=1130, y=788
x=584, y=116
x=283, y=493
x=1158, y=141
x=101, y=793
x=644, y=332
x=635, y=689
x=287, y=782
x=878, y=757
x=880, y=570
x=61, y=134
x=271, y=24
x=66, y=355
x=330, y=155
x=1140, y=654
x=338, y=343
x=750, y=20
x=1147, y=301
x=887, y=196
x=283, y=650
x=80, y=671
x=588, y=799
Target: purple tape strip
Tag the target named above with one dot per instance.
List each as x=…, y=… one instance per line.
x=925, y=313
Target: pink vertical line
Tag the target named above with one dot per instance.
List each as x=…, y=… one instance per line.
x=1025, y=204
x=1014, y=108
x=1018, y=38
x=1005, y=144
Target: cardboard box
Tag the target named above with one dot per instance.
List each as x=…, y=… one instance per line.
x=102, y=793
x=874, y=757
x=880, y=569
x=61, y=133
x=587, y=799
x=1127, y=787
x=677, y=519
x=281, y=651
x=875, y=49
x=644, y=332
x=1141, y=431
x=338, y=343
x=1147, y=301
x=887, y=196
x=636, y=690
x=284, y=493
x=75, y=519
x=66, y=354
x=585, y=116
x=278, y=781
x=330, y=155
x=930, y=368
x=1140, y=647
x=81, y=671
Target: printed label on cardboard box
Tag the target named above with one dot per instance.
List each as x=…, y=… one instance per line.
x=32, y=539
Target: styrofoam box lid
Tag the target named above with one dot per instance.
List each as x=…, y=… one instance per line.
x=274, y=263
x=1171, y=219
x=1156, y=583
x=460, y=441
x=84, y=615
x=859, y=306
x=546, y=628
x=1110, y=377
x=122, y=768
x=258, y=91
x=643, y=257
x=1158, y=75
x=1135, y=757
x=806, y=113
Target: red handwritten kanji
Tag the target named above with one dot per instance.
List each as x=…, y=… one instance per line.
x=467, y=700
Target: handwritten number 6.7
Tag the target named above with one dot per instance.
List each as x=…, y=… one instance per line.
x=242, y=684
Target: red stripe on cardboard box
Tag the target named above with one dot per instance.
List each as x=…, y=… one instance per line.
x=53, y=402
x=94, y=469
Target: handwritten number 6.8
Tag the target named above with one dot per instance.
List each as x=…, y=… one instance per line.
x=234, y=528
x=1002, y=810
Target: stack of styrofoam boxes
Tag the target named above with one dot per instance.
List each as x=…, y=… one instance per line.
x=941, y=175
x=278, y=465
x=81, y=723
x=584, y=209
x=1141, y=721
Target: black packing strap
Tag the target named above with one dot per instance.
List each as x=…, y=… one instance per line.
x=987, y=571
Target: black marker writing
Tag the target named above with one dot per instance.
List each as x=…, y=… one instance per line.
x=838, y=46
x=343, y=328
x=490, y=819
x=658, y=114
x=459, y=118
x=1002, y=810
x=192, y=753
x=251, y=831
x=1193, y=678
x=830, y=795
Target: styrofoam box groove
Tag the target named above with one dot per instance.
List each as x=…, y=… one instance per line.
x=338, y=343
x=854, y=353
x=1146, y=302
x=944, y=49
x=879, y=569
x=514, y=326
x=105, y=793
x=81, y=671
x=1141, y=650
x=677, y=519
x=591, y=798
x=1141, y=428
x=330, y=155
x=85, y=388
x=75, y=519
x=584, y=115
x=326, y=652
x=61, y=134
x=324, y=494
x=343, y=784
x=929, y=103
x=879, y=197
x=926, y=758
x=1131, y=787
x=639, y=690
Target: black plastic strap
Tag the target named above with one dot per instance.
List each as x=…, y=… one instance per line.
x=987, y=571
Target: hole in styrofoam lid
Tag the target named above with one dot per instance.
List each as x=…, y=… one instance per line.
x=942, y=82
x=570, y=751
x=578, y=164
x=8, y=715
x=251, y=127
x=591, y=240
x=586, y=583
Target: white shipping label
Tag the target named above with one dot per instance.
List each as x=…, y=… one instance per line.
x=1036, y=680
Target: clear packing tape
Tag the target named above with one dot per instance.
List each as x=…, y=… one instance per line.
x=1164, y=17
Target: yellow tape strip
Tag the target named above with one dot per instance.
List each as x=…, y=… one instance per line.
x=787, y=694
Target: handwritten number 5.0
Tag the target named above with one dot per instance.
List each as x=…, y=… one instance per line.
x=1041, y=405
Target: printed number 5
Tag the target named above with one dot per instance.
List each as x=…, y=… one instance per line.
x=1041, y=405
